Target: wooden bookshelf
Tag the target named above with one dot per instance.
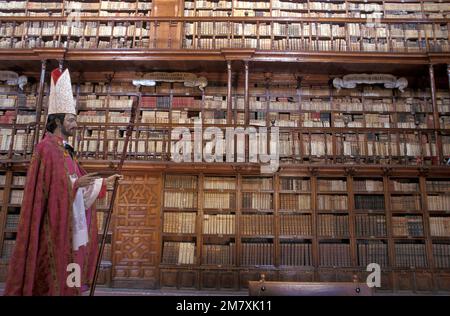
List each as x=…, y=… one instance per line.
x=363, y=171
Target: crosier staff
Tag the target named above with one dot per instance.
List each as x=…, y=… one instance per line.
x=131, y=124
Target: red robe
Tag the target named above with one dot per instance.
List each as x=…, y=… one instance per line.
x=44, y=248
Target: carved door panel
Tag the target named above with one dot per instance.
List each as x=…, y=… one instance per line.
x=137, y=231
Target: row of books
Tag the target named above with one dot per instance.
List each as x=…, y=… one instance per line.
x=332, y=202
x=440, y=226
x=368, y=225
x=410, y=255
x=405, y=203
x=314, y=145
x=76, y=6
x=12, y=221
x=295, y=225
x=372, y=252
x=253, y=225
x=438, y=185
x=7, y=117
x=317, y=44
x=257, y=201
x=25, y=118
x=255, y=253
x=317, y=5
x=221, y=224
x=189, y=117
x=334, y=255
x=295, y=202
x=207, y=4
x=367, y=185
x=136, y=40
x=18, y=180
x=369, y=202
x=295, y=184
x=441, y=254
x=312, y=29
x=219, y=254
x=438, y=202
x=257, y=183
x=411, y=226
x=401, y=185
x=295, y=254
x=163, y=102
x=178, y=252
x=16, y=197
x=2, y=179
x=91, y=101
x=182, y=223
x=333, y=225
x=326, y=185
x=180, y=200
x=219, y=183
x=180, y=182
x=8, y=248
x=158, y=117
x=219, y=200
x=7, y=101
x=22, y=140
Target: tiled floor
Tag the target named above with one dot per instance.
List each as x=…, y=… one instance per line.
x=100, y=291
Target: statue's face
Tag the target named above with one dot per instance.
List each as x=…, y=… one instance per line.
x=70, y=125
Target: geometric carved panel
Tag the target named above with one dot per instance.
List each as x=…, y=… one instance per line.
x=136, y=239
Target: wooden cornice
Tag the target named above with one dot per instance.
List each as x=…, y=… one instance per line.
x=285, y=168
x=248, y=168
x=238, y=54
x=223, y=55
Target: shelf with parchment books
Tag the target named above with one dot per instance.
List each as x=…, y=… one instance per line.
x=405, y=195
x=295, y=196
x=257, y=195
x=438, y=196
x=179, y=219
x=12, y=195
x=229, y=236
x=377, y=35
x=332, y=195
x=80, y=8
x=330, y=34
x=296, y=253
x=310, y=131
x=17, y=120
x=334, y=253
x=410, y=254
x=369, y=251
x=414, y=9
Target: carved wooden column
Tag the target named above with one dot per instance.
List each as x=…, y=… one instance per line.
x=39, y=101
x=433, y=97
x=229, y=100
x=246, y=96
x=435, y=115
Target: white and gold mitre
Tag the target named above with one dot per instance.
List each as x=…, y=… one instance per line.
x=61, y=96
